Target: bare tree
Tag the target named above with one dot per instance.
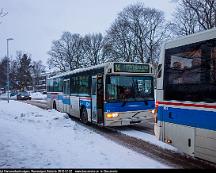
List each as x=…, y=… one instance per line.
x=135, y=16
x=92, y=49
x=194, y=15
x=185, y=21
x=118, y=42
x=205, y=11
x=137, y=33
x=135, y=36
x=57, y=58
x=66, y=53
x=157, y=30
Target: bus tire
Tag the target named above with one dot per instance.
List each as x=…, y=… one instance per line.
x=84, y=116
x=54, y=105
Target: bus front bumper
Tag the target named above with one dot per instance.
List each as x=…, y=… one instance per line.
x=128, y=118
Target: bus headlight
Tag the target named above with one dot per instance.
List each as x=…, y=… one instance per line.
x=112, y=115
x=154, y=111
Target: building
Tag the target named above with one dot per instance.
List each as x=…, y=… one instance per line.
x=39, y=83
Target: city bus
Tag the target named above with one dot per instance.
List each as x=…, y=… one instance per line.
x=110, y=94
x=185, y=114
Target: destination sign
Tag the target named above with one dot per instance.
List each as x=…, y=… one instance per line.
x=131, y=68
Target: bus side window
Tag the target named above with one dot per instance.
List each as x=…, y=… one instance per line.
x=94, y=83
x=213, y=66
x=159, y=71
x=66, y=87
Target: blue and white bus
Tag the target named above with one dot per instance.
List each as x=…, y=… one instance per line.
x=110, y=94
x=186, y=95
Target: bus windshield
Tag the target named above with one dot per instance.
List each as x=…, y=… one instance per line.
x=129, y=88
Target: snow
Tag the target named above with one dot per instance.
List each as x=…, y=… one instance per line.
x=34, y=138
x=148, y=138
x=38, y=96
x=5, y=96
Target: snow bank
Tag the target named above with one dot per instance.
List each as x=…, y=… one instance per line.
x=38, y=96
x=36, y=138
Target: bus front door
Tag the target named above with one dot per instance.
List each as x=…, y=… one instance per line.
x=97, y=99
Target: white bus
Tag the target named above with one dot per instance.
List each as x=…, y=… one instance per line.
x=186, y=95
x=111, y=94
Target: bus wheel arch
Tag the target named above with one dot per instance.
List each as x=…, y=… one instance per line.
x=83, y=115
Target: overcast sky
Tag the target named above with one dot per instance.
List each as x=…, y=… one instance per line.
x=34, y=24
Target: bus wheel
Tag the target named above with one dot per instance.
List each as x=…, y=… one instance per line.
x=84, y=116
x=54, y=105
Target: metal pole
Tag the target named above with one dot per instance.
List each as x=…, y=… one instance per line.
x=8, y=71
x=8, y=83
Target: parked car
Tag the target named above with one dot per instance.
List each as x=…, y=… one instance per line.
x=23, y=95
x=44, y=92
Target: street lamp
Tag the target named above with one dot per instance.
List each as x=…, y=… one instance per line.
x=8, y=86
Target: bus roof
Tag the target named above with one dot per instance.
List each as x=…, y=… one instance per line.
x=193, y=38
x=88, y=68
x=79, y=70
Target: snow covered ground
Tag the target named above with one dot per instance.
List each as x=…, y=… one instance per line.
x=34, y=138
